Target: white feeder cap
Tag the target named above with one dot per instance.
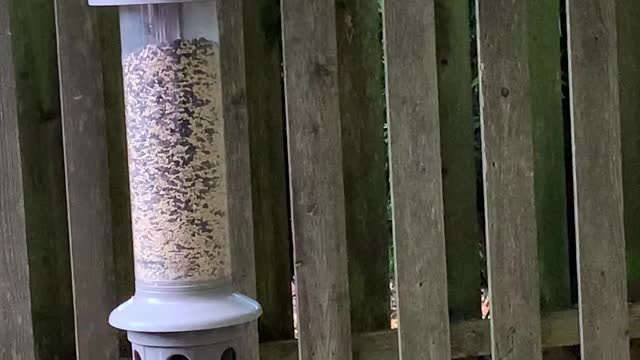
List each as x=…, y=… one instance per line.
x=177, y=311
x=135, y=2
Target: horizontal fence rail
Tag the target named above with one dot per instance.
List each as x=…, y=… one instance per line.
x=407, y=180
x=469, y=338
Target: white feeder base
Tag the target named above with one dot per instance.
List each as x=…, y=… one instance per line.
x=186, y=321
x=220, y=344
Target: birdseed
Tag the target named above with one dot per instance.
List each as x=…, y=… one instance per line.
x=176, y=161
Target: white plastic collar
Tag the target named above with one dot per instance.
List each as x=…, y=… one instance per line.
x=184, y=309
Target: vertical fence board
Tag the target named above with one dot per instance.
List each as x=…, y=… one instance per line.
x=461, y=223
x=15, y=303
x=35, y=54
x=598, y=179
x=360, y=77
x=629, y=70
x=507, y=134
x=416, y=182
x=550, y=174
x=269, y=167
x=628, y=12
x=550, y=184
x=238, y=159
x=109, y=28
x=316, y=179
x=87, y=175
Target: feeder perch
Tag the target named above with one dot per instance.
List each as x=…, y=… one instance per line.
x=185, y=307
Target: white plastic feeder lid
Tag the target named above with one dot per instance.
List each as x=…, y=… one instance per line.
x=135, y=2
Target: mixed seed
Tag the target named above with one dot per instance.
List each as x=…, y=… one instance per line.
x=176, y=161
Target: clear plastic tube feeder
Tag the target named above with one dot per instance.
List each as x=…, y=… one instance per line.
x=184, y=307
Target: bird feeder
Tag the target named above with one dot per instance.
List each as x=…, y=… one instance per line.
x=184, y=307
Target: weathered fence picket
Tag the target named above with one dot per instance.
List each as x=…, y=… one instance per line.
x=361, y=86
x=238, y=176
x=87, y=176
x=416, y=181
x=42, y=162
x=628, y=11
x=507, y=135
x=545, y=70
x=597, y=166
x=122, y=237
x=459, y=185
x=548, y=136
x=15, y=303
x=317, y=191
x=272, y=238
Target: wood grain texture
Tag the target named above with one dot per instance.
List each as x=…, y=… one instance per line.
x=361, y=84
x=468, y=338
x=38, y=104
x=15, y=301
x=274, y=267
x=87, y=176
x=508, y=160
x=549, y=154
x=416, y=180
x=316, y=178
x=109, y=32
x=595, y=117
x=550, y=182
x=629, y=83
x=238, y=160
x=109, y=27
x=461, y=223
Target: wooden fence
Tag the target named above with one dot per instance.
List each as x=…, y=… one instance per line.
x=309, y=191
